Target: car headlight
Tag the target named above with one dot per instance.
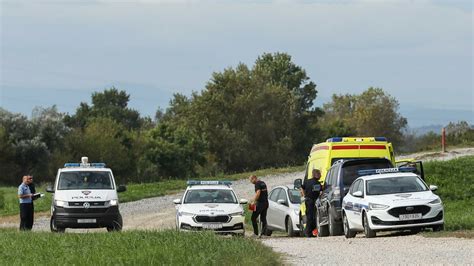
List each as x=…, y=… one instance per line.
x=185, y=214
x=60, y=203
x=436, y=201
x=375, y=206
x=240, y=213
x=113, y=202
x=297, y=212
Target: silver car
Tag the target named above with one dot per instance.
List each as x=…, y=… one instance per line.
x=283, y=210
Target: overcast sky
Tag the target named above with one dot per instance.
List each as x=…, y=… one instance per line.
x=58, y=52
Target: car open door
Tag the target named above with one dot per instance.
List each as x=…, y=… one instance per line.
x=413, y=163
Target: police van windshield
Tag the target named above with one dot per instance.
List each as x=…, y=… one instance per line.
x=350, y=171
x=210, y=196
x=295, y=196
x=394, y=185
x=85, y=180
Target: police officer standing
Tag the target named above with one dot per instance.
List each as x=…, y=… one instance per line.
x=310, y=190
x=26, y=204
x=261, y=202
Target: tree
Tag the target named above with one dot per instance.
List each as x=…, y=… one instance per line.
x=252, y=118
x=372, y=113
x=110, y=103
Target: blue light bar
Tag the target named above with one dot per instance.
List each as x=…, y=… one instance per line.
x=96, y=165
x=208, y=182
x=335, y=139
x=386, y=170
x=380, y=139
x=72, y=165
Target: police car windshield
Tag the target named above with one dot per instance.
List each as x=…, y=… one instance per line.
x=394, y=185
x=85, y=180
x=210, y=196
x=295, y=196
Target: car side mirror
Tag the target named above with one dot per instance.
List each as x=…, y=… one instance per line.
x=177, y=201
x=121, y=188
x=281, y=201
x=433, y=188
x=297, y=183
x=50, y=189
x=243, y=201
x=358, y=194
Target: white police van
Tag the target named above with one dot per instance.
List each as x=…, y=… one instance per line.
x=210, y=205
x=85, y=196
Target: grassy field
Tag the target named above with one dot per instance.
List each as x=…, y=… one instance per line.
x=132, y=248
x=9, y=202
x=455, y=180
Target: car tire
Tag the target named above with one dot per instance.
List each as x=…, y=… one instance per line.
x=438, y=228
x=348, y=233
x=54, y=228
x=117, y=225
x=369, y=233
x=302, y=227
x=289, y=227
x=323, y=230
x=335, y=229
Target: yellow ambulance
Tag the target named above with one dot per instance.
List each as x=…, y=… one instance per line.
x=324, y=154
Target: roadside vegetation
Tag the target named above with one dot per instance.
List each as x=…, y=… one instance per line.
x=133, y=248
x=455, y=181
x=9, y=201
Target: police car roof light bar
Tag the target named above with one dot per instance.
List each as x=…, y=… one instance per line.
x=386, y=170
x=96, y=165
x=208, y=182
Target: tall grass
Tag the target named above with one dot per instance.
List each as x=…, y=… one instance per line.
x=132, y=248
x=455, y=181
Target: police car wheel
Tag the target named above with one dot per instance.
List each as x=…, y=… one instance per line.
x=348, y=233
x=289, y=227
x=438, y=228
x=54, y=228
x=369, y=233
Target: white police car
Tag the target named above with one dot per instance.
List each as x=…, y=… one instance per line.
x=390, y=199
x=210, y=205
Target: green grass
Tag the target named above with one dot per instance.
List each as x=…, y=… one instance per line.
x=455, y=181
x=132, y=248
x=9, y=201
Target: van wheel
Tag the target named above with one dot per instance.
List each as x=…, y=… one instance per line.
x=369, y=233
x=289, y=227
x=334, y=227
x=348, y=233
x=117, y=225
x=323, y=230
x=54, y=228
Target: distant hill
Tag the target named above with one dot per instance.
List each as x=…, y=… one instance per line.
x=425, y=129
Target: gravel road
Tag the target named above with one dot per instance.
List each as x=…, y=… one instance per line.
x=159, y=213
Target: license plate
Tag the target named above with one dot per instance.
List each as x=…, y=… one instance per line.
x=212, y=226
x=411, y=216
x=86, y=221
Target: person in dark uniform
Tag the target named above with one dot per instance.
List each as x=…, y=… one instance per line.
x=26, y=204
x=310, y=190
x=261, y=202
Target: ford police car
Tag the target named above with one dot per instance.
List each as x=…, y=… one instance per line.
x=390, y=199
x=85, y=196
x=210, y=205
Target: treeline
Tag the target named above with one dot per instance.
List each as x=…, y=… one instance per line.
x=246, y=118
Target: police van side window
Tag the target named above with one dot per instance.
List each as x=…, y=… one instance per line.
x=328, y=178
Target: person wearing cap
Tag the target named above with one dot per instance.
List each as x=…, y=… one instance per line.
x=26, y=204
x=261, y=201
x=310, y=190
